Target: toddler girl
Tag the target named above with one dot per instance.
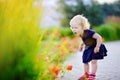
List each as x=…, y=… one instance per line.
x=94, y=48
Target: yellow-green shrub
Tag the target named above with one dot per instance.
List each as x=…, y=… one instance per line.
x=19, y=33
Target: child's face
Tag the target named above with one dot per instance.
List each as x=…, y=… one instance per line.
x=77, y=29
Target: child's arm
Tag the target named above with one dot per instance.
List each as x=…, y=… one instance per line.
x=98, y=42
x=81, y=46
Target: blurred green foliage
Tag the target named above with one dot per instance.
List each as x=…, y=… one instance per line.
x=111, y=9
x=109, y=31
x=19, y=33
x=95, y=12
x=57, y=33
x=65, y=32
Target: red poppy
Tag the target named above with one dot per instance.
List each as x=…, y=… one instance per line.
x=69, y=67
x=56, y=70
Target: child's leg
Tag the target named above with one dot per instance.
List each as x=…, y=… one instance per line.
x=86, y=72
x=86, y=68
x=94, y=69
x=94, y=66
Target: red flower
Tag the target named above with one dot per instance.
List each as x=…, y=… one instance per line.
x=54, y=69
x=69, y=67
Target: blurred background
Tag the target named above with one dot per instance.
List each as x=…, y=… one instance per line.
x=35, y=38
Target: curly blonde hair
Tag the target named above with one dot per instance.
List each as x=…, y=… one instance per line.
x=80, y=20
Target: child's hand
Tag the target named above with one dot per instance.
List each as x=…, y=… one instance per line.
x=81, y=48
x=96, y=49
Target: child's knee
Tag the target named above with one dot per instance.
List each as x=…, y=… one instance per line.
x=86, y=63
x=94, y=61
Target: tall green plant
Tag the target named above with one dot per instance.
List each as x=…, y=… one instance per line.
x=19, y=33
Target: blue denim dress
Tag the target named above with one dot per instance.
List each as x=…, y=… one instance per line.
x=90, y=43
